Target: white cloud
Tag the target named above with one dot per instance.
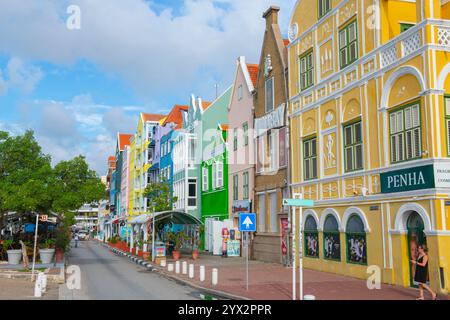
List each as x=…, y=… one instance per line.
x=19, y=76
x=154, y=53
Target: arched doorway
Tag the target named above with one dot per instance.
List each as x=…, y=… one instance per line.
x=416, y=238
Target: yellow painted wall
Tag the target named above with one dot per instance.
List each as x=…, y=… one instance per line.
x=340, y=93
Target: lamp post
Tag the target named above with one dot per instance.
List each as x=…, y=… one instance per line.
x=153, y=233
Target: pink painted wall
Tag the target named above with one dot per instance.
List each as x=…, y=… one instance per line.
x=242, y=160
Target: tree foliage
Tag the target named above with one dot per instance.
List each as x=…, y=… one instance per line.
x=159, y=193
x=28, y=183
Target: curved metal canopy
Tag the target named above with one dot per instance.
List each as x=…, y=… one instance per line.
x=175, y=217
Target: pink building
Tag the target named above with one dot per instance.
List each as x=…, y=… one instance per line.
x=241, y=162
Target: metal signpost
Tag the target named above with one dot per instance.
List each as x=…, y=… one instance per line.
x=247, y=224
x=43, y=218
x=297, y=202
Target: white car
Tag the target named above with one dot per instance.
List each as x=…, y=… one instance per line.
x=82, y=235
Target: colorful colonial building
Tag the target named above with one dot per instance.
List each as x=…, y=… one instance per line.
x=142, y=152
x=369, y=123
x=270, y=133
x=214, y=160
x=241, y=155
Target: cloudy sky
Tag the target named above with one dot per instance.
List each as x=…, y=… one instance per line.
x=76, y=88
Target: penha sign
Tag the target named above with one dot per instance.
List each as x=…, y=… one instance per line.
x=409, y=179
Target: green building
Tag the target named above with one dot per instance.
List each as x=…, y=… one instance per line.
x=214, y=166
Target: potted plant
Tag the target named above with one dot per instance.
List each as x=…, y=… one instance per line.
x=196, y=243
x=147, y=253
x=62, y=244
x=177, y=238
x=47, y=251
x=14, y=254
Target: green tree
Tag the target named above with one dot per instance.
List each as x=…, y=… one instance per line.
x=28, y=183
x=25, y=172
x=73, y=185
x=159, y=193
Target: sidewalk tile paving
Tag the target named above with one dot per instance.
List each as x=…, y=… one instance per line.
x=269, y=281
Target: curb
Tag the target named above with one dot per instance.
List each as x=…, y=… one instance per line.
x=149, y=266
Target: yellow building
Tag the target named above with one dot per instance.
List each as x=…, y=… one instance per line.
x=142, y=152
x=369, y=122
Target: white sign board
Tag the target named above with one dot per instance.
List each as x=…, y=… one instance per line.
x=442, y=175
x=275, y=119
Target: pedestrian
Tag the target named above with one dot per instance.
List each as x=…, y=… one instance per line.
x=421, y=273
x=76, y=240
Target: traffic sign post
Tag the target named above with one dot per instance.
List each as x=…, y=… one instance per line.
x=35, y=245
x=297, y=202
x=247, y=224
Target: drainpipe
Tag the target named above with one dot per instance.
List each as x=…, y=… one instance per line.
x=288, y=161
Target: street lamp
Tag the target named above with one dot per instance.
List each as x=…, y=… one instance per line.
x=153, y=232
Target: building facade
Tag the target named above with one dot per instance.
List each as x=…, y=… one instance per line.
x=241, y=155
x=187, y=149
x=142, y=153
x=369, y=135
x=270, y=133
x=214, y=160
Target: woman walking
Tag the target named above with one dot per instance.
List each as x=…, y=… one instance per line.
x=421, y=273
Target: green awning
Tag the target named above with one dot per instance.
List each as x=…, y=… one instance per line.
x=175, y=217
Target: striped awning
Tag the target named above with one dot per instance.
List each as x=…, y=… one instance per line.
x=175, y=217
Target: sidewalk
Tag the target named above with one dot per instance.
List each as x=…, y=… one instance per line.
x=268, y=281
x=23, y=289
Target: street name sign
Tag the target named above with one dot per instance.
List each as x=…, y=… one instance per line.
x=247, y=222
x=298, y=203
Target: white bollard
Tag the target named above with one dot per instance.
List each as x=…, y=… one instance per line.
x=215, y=276
x=177, y=267
x=202, y=273
x=191, y=271
x=44, y=282
x=170, y=267
x=184, y=268
x=38, y=287
x=163, y=263
x=309, y=297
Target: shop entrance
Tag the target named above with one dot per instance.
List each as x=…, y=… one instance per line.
x=416, y=238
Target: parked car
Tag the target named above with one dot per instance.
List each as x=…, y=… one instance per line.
x=83, y=234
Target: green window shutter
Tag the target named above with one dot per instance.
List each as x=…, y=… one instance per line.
x=405, y=133
x=310, y=159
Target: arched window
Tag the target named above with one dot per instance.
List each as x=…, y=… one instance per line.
x=331, y=239
x=311, y=236
x=356, y=240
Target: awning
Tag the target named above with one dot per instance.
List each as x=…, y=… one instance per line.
x=175, y=217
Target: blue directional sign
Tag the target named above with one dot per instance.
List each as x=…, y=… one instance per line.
x=247, y=222
x=298, y=203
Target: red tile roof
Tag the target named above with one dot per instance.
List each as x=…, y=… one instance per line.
x=224, y=127
x=175, y=116
x=286, y=42
x=152, y=117
x=111, y=158
x=124, y=140
x=253, y=71
x=206, y=105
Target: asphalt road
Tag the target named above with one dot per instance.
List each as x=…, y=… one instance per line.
x=105, y=276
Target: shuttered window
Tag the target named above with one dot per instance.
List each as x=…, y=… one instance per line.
x=310, y=159
x=205, y=180
x=353, y=147
x=348, y=44
x=447, y=121
x=405, y=133
x=306, y=71
x=235, y=187
x=246, y=182
x=324, y=7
